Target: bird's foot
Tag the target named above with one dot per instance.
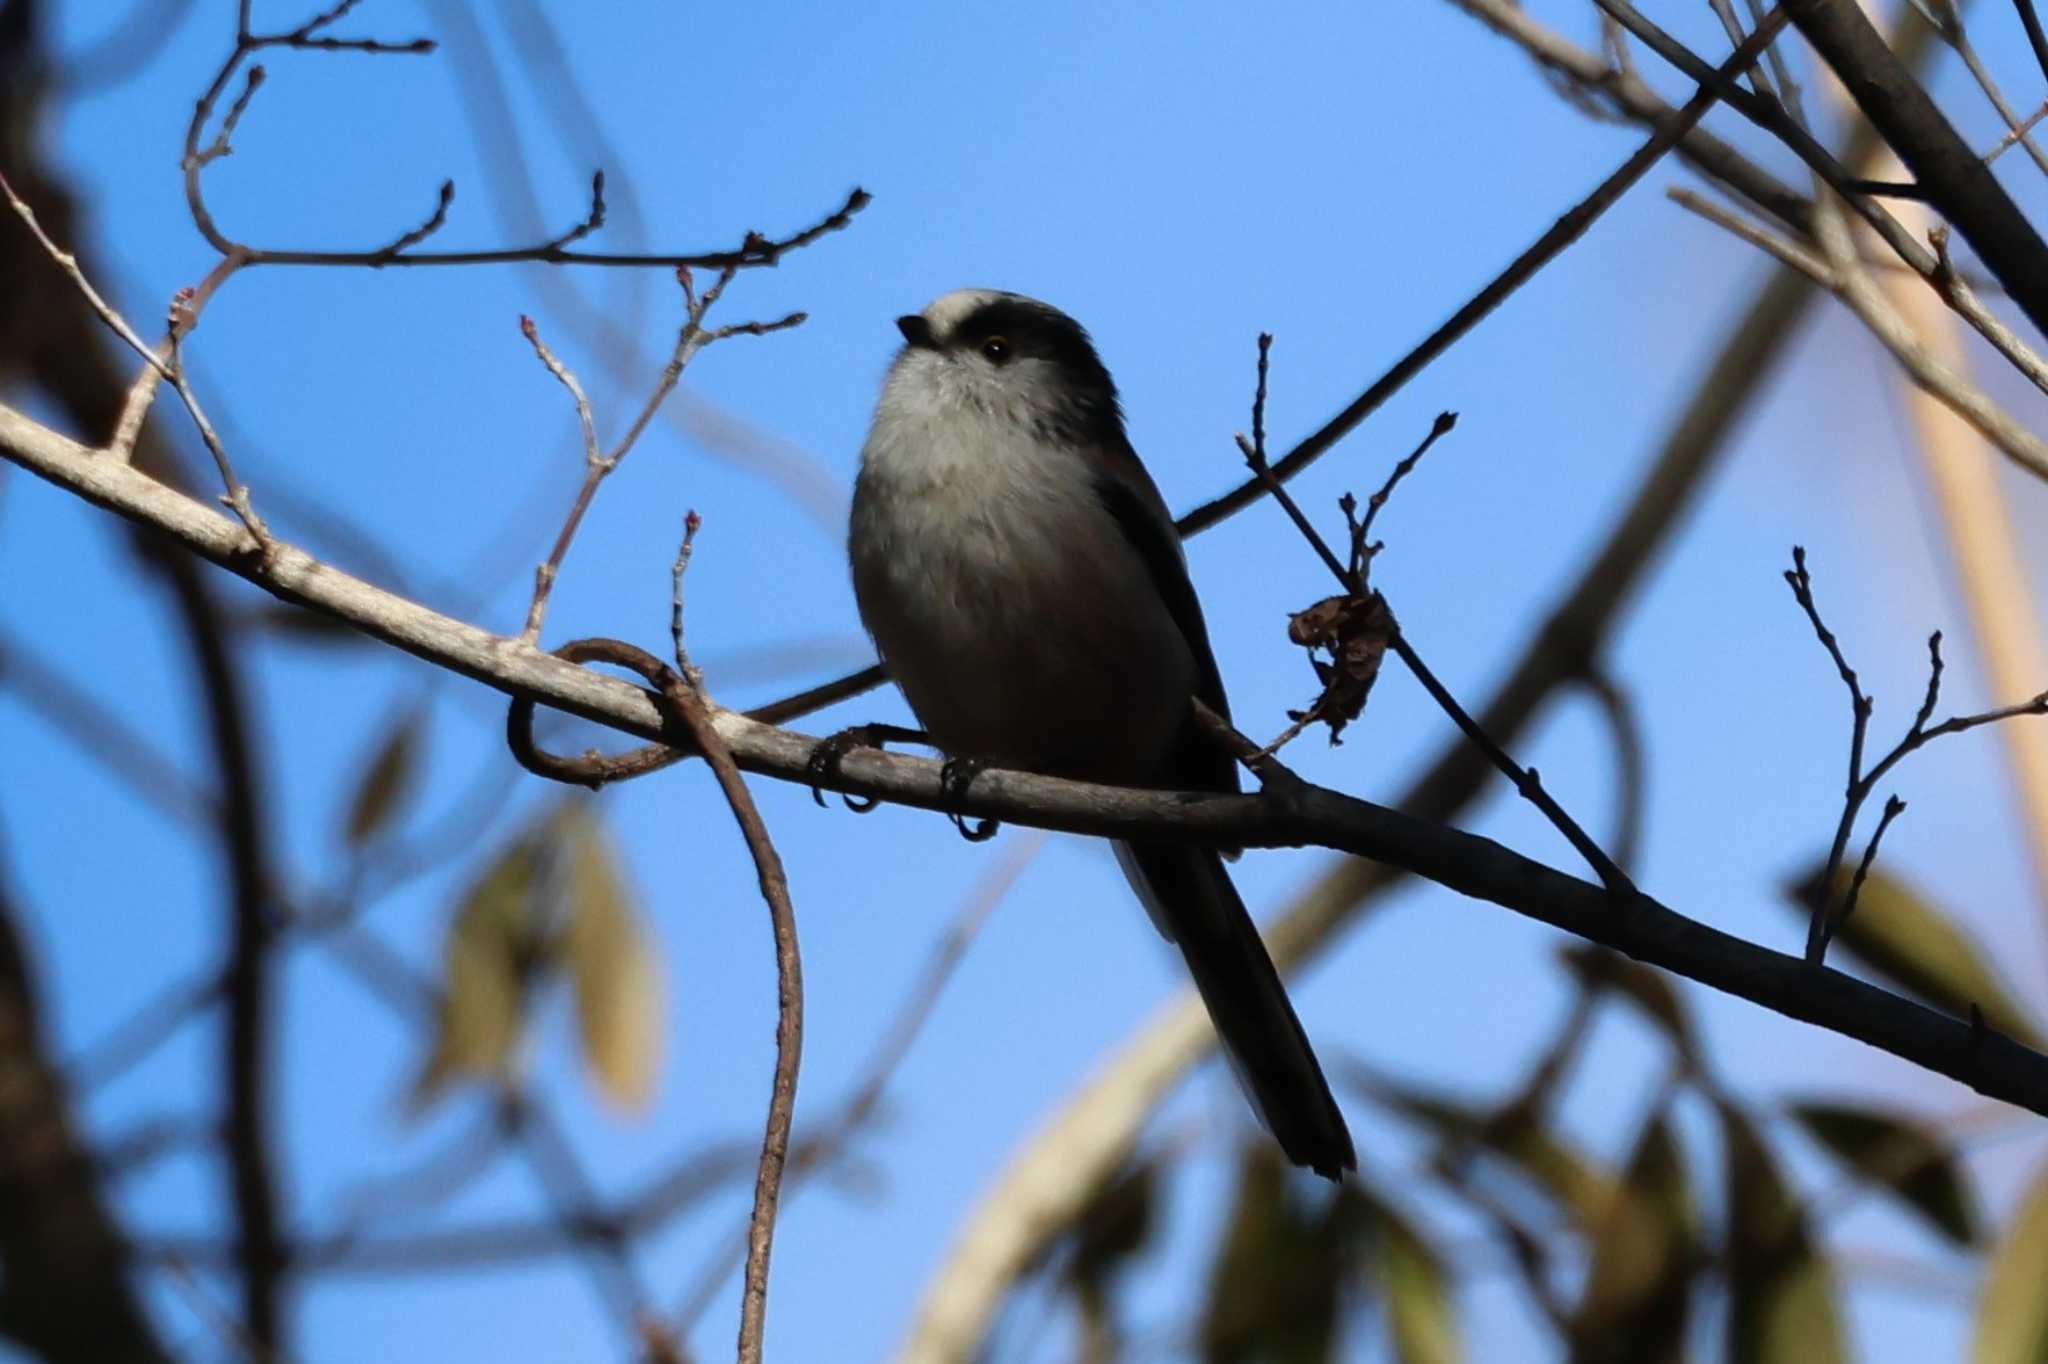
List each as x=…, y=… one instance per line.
x=954, y=778
x=832, y=750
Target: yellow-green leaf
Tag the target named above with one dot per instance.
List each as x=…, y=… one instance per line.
x=2012, y=1315
x=1900, y=935
x=486, y=961
x=1649, y=989
x=612, y=969
x=1547, y=1160
x=1420, y=1315
x=1567, y=1174
x=1781, y=1294
x=1115, y=1225
x=1275, y=1283
x=385, y=782
x=1646, y=1258
x=1900, y=1155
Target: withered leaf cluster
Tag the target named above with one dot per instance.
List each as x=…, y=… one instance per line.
x=1346, y=637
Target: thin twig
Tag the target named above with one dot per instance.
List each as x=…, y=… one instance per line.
x=682, y=688
x=223, y=141
x=1610, y=84
x=1773, y=119
x=1546, y=248
x=1672, y=125
x=170, y=368
x=754, y=251
x=592, y=220
x=692, y=338
x=595, y=469
x=68, y=263
x=1826, y=917
x=435, y=221
x=1526, y=780
x=1860, y=705
x=2018, y=131
x=1630, y=761
x=1759, y=80
x=1363, y=548
x=1787, y=251
x=1889, y=326
x=861, y=1105
x=1471, y=865
x=1893, y=808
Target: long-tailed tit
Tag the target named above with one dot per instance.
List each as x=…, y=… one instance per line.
x=1021, y=576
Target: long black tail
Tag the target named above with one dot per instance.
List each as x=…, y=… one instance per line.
x=1191, y=899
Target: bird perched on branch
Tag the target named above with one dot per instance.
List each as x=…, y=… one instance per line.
x=1023, y=581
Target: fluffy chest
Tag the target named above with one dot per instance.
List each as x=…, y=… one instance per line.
x=969, y=512
x=1007, y=602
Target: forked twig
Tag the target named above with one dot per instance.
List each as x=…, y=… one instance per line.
x=598, y=465
x=1366, y=608
x=1826, y=916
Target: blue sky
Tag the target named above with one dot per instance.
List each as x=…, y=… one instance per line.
x=1342, y=176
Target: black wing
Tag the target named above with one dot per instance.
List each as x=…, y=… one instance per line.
x=1197, y=762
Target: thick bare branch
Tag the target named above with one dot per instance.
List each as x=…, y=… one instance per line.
x=1474, y=866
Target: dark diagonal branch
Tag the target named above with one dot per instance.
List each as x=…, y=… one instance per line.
x=1364, y=604
x=1545, y=249
x=1592, y=77
x=1473, y=866
x=1671, y=128
x=1955, y=179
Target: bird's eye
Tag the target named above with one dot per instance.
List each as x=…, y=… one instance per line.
x=996, y=349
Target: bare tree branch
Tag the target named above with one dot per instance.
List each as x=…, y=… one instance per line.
x=1474, y=866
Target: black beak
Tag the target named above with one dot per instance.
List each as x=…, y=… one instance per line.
x=916, y=331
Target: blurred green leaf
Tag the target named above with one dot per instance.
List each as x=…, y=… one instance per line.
x=1421, y=1317
x=2012, y=1315
x=1646, y=1261
x=385, y=782
x=1899, y=1155
x=486, y=963
x=1903, y=938
x=1509, y=1134
x=1781, y=1307
x=1278, y=1276
x=1116, y=1223
x=1114, y=1226
x=1649, y=989
x=613, y=969
x=1577, y=1182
